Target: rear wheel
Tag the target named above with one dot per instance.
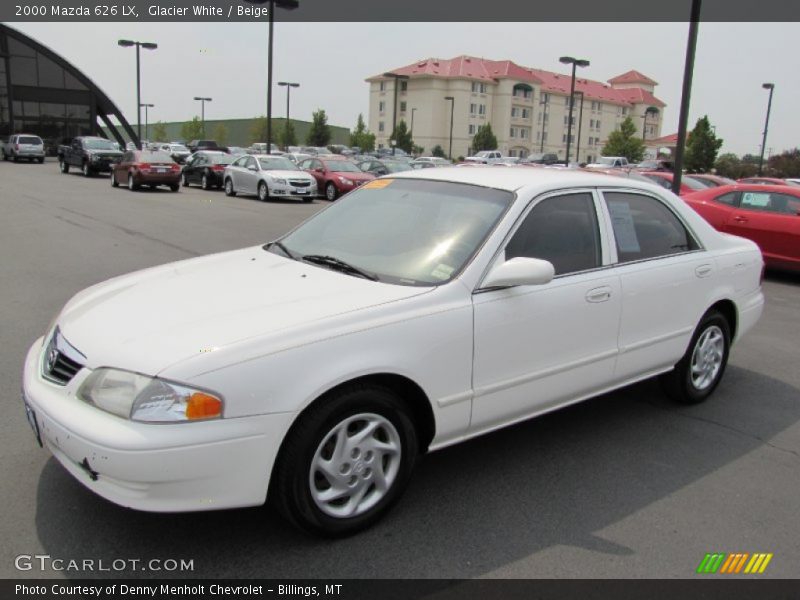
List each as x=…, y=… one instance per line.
x=229, y=191
x=41, y=160
x=114, y=182
x=263, y=192
x=185, y=180
x=204, y=182
x=345, y=461
x=174, y=187
x=132, y=185
x=700, y=370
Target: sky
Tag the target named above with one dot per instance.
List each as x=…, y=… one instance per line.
x=228, y=62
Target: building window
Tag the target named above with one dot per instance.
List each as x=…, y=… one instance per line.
x=402, y=107
x=381, y=126
x=538, y=135
x=478, y=88
x=383, y=86
x=381, y=106
x=513, y=133
x=523, y=133
x=472, y=129
x=591, y=124
x=473, y=109
x=544, y=99
x=569, y=120
x=481, y=109
x=526, y=113
x=403, y=86
x=539, y=118
x=544, y=136
x=514, y=112
x=624, y=111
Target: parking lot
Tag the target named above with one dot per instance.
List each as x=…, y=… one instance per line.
x=624, y=485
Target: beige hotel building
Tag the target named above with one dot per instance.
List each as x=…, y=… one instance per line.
x=527, y=108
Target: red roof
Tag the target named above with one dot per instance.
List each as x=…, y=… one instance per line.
x=490, y=71
x=667, y=140
x=633, y=77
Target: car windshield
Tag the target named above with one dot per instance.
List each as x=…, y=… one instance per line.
x=704, y=182
x=606, y=160
x=27, y=139
x=221, y=159
x=178, y=148
x=277, y=163
x=322, y=151
x=404, y=231
x=342, y=166
x=693, y=183
x=397, y=167
x=100, y=145
x=152, y=157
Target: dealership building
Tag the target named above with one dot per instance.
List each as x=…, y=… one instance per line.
x=527, y=108
x=43, y=94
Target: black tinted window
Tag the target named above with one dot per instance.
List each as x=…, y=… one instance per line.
x=729, y=199
x=561, y=229
x=645, y=228
x=770, y=202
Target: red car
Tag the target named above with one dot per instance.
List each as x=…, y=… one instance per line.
x=142, y=167
x=767, y=214
x=766, y=181
x=664, y=179
x=711, y=180
x=335, y=175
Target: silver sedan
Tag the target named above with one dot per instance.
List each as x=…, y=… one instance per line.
x=268, y=176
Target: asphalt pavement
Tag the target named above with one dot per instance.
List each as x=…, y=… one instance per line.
x=627, y=485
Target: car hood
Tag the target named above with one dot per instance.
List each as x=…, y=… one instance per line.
x=354, y=176
x=288, y=174
x=152, y=319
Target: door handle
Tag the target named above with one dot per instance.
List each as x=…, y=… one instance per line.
x=703, y=270
x=740, y=219
x=600, y=294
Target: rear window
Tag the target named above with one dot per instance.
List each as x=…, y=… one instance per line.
x=155, y=157
x=29, y=139
x=221, y=159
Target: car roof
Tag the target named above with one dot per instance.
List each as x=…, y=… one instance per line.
x=513, y=178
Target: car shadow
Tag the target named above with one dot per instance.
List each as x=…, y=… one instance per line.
x=780, y=276
x=471, y=508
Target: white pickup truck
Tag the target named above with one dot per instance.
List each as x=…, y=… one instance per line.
x=486, y=157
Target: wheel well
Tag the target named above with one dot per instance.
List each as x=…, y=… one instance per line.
x=728, y=310
x=412, y=394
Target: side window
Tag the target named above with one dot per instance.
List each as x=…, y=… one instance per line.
x=239, y=162
x=250, y=162
x=561, y=229
x=645, y=228
x=730, y=199
x=770, y=202
x=306, y=164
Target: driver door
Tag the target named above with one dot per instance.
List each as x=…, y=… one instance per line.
x=541, y=346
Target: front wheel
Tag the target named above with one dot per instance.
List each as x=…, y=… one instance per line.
x=345, y=461
x=114, y=182
x=229, y=191
x=41, y=160
x=331, y=193
x=62, y=164
x=263, y=192
x=700, y=370
x=87, y=170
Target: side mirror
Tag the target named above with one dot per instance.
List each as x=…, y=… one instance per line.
x=520, y=271
x=319, y=170
x=252, y=168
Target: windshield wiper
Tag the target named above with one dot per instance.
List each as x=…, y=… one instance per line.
x=284, y=249
x=339, y=265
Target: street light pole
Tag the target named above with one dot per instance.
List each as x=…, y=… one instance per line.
x=288, y=85
x=203, y=101
x=546, y=103
x=452, y=110
x=146, y=46
x=413, y=110
x=146, y=121
x=273, y=4
x=580, y=123
x=771, y=88
x=575, y=62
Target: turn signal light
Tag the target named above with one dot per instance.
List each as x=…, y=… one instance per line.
x=203, y=406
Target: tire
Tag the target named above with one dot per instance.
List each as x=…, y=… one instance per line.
x=700, y=370
x=185, y=180
x=299, y=484
x=41, y=160
x=114, y=182
x=307, y=200
x=132, y=185
x=16, y=159
x=331, y=193
x=204, y=182
x=229, y=191
x=86, y=169
x=263, y=192
x=174, y=187
x=63, y=165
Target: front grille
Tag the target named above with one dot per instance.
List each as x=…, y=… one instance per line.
x=300, y=182
x=61, y=362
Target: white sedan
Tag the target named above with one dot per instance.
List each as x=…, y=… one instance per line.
x=416, y=312
x=268, y=176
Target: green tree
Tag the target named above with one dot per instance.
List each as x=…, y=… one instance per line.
x=288, y=135
x=625, y=142
x=258, y=130
x=220, y=134
x=438, y=151
x=361, y=137
x=702, y=147
x=320, y=133
x=160, y=132
x=484, y=139
x=192, y=130
x=785, y=164
x=730, y=165
x=402, y=136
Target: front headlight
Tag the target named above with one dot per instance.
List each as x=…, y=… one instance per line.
x=148, y=399
x=278, y=181
x=346, y=181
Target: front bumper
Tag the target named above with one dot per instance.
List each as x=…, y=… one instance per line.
x=291, y=191
x=154, y=467
x=102, y=165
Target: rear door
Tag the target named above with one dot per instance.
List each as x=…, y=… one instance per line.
x=770, y=219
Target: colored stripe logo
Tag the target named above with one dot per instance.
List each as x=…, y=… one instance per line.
x=734, y=563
